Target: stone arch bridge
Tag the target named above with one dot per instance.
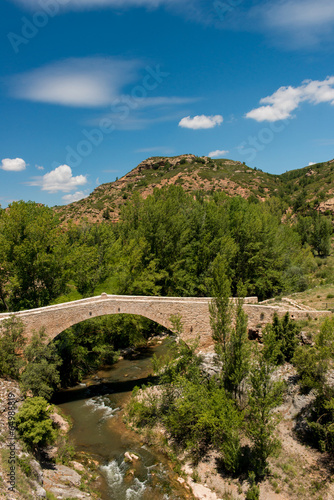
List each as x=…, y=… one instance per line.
x=194, y=313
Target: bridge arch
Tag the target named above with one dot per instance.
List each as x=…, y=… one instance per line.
x=194, y=312
x=57, y=318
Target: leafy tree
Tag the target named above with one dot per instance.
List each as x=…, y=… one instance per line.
x=33, y=423
x=220, y=308
x=85, y=267
x=237, y=358
x=280, y=339
x=12, y=342
x=321, y=236
x=86, y=346
x=33, y=255
x=231, y=343
x=313, y=362
x=264, y=396
x=41, y=375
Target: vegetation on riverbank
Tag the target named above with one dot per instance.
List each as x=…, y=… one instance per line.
x=235, y=412
x=166, y=244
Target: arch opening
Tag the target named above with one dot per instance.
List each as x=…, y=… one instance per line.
x=90, y=344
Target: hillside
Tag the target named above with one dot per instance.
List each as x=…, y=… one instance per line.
x=310, y=185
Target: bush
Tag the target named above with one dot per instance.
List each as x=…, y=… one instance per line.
x=33, y=423
x=201, y=415
x=280, y=339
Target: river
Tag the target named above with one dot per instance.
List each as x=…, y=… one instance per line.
x=95, y=407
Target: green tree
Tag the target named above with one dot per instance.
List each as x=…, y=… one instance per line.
x=220, y=308
x=313, y=362
x=280, y=339
x=237, y=360
x=264, y=396
x=321, y=235
x=33, y=255
x=33, y=423
x=231, y=342
x=41, y=375
x=12, y=342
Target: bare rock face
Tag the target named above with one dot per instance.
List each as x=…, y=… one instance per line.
x=210, y=365
x=327, y=205
x=305, y=340
x=63, y=482
x=60, y=422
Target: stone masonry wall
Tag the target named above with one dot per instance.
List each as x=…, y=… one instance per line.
x=194, y=313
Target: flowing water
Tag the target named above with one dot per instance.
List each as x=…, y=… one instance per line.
x=96, y=410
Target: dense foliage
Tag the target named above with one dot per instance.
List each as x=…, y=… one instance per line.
x=33, y=423
x=166, y=244
x=202, y=412
x=314, y=364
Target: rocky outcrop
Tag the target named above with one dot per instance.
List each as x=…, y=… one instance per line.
x=64, y=482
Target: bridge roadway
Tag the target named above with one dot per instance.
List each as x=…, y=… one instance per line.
x=194, y=313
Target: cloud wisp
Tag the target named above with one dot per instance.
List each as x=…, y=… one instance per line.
x=13, y=164
x=97, y=82
x=86, y=82
x=199, y=122
x=59, y=179
x=294, y=23
x=78, y=195
x=282, y=103
x=219, y=153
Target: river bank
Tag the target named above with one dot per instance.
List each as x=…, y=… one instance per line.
x=128, y=468
x=103, y=464
x=24, y=476
x=297, y=471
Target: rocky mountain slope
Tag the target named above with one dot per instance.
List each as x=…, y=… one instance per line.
x=313, y=185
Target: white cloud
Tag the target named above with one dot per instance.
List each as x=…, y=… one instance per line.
x=70, y=198
x=201, y=122
x=13, y=165
x=294, y=14
x=294, y=23
x=86, y=82
x=311, y=163
x=218, y=153
x=281, y=104
x=59, y=179
x=39, y=167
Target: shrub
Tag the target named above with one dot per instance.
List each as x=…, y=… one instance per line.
x=280, y=339
x=34, y=424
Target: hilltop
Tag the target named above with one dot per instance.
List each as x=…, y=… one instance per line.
x=310, y=186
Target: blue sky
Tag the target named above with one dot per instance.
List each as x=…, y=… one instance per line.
x=89, y=88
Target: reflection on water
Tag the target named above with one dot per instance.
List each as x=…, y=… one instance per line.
x=98, y=429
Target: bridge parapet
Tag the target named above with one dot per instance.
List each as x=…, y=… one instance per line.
x=194, y=312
